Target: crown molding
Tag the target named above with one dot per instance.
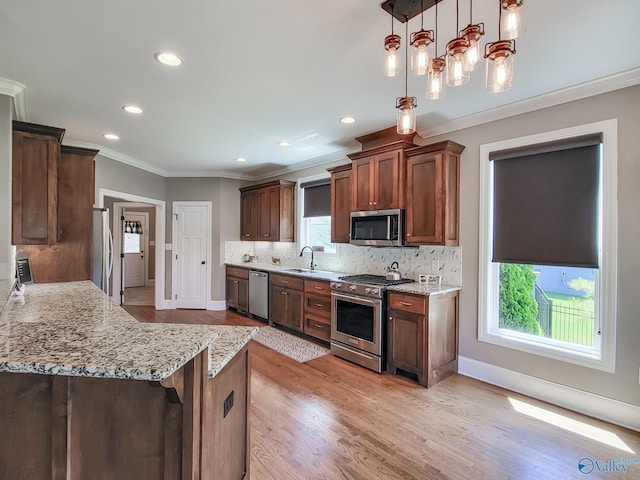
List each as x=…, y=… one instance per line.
x=211, y=173
x=16, y=90
x=119, y=157
x=599, y=86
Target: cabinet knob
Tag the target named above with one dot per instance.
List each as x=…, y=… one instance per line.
x=375, y=203
x=390, y=318
x=370, y=203
x=266, y=235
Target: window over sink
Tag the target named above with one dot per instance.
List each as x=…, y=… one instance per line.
x=314, y=195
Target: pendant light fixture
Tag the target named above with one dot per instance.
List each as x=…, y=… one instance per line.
x=511, y=22
x=457, y=65
x=472, y=34
x=406, y=105
x=499, y=55
x=420, y=42
x=391, y=45
x=435, y=81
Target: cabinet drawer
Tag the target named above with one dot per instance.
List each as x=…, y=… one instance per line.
x=287, y=281
x=407, y=303
x=317, y=328
x=316, y=286
x=238, y=272
x=318, y=305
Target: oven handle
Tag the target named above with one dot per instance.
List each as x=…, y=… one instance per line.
x=357, y=299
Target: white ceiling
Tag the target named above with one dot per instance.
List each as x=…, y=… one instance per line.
x=257, y=72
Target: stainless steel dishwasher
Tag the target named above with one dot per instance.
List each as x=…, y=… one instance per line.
x=259, y=294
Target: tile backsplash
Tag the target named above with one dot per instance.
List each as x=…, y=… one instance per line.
x=351, y=259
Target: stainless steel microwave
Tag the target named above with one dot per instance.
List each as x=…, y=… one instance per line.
x=378, y=228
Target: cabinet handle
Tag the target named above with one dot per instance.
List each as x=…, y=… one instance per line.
x=285, y=281
x=408, y=234
x=318, y=325
x=266, y=235
x=390, y=319
x=235, y=281
x=407, y=304
x=370, y=203
x=375, y=203
x=247, y=234
x=319, y=305
x=318, y=288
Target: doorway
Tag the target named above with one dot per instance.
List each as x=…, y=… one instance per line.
x=154, y=251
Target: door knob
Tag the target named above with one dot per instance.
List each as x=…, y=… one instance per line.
x=202, y=262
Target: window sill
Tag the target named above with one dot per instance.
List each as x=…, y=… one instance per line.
x=585, y=357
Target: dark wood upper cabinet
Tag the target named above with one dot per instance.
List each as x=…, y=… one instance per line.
x=432, y=194
x=341, y=203
x=377, y=181
x=267, y=212
x=36, y=153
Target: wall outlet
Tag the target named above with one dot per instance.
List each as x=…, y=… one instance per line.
x=422, y=279
x=432, y=280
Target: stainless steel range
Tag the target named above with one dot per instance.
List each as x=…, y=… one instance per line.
x=358, y=329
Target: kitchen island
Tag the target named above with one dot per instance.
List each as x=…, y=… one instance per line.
x=88, y=392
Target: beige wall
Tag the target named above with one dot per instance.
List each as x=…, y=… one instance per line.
x=7, y=251
x=625, y=106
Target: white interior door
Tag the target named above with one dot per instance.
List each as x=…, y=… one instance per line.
x=192, y=238
x=134, y=246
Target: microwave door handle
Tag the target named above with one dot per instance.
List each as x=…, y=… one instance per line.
x=389, y=222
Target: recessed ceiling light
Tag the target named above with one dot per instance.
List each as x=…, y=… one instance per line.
x=111, y=136
x=132, y=109
x=283, y=143
x=241, y=159
x=347, y=119
x=168, y=58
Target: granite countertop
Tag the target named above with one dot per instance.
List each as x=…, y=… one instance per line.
x=413, y=288
x=74, y=329
x=6, y=287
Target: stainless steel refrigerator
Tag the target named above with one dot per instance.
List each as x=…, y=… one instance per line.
x=102, y=249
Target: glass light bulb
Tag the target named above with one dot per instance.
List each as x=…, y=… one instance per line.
x=512, y=22
x=435, y=86
x=391, y=63
x=473, y=54
x=420, y=60
x=406, y=120
x=499, y=73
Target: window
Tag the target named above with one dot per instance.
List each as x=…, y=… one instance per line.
x=548, y=229
x=315, y=213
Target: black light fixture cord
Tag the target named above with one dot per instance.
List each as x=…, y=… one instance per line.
x=499, y=21
x=406, y=55
x=470, y=12
x=457, y=18
x=421, y=14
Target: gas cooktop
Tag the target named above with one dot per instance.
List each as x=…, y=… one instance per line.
x=377, y=280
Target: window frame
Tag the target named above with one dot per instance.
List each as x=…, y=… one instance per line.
x=302, y=240
x=606, y=277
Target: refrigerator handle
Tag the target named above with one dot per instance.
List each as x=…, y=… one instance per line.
x=110, y=267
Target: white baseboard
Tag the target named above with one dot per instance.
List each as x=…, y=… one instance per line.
x=217, y=305
x=151, y=282
x=603, y=408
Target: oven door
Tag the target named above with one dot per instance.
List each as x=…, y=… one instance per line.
x=357, y=322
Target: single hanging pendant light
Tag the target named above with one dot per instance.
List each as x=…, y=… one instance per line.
x=420, y=42
x=472, y=34
x=457, y=66
x=511, y=22
x=406, y=106
x=435, y=81
x=499, y=55
x=391, y=46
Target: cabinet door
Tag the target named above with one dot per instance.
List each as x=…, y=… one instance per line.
x=341, y=199
x=277, y=305
x=269, y=218
x=424, y=213
x=387, y=190
x=363, y=184
x=34, y=189
x=295, y=309
x=406, y=341
x=232, y=292
x=249, y=215
x=242, y=295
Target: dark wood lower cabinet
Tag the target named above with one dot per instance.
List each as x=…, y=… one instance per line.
x=79, y=428
x=237, y=289
x=422, y=336
x=286, y=307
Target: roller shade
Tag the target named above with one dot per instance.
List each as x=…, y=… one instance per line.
x=317, y=198
x=546, y=203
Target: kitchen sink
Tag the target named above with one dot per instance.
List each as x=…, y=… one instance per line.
x=301, y=270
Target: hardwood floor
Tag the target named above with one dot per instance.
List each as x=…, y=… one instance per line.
x=330, y=419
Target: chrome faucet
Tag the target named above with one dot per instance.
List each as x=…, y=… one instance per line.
x=310, y=248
